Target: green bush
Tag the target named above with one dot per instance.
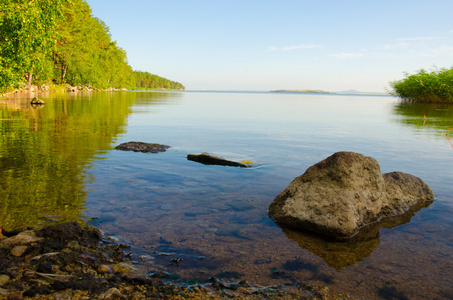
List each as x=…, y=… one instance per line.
x=425, y=87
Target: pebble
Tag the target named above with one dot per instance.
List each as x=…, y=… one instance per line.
x=104, y=269
x=111, y=294
x=23, y=238
x=4, y=279
x=15, y=296
x=18, y=251
x=124, y=268
x=145, y=257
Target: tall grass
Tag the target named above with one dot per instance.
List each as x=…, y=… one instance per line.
x=426, y=87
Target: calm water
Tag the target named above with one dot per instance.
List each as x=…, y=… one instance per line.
x=58, y=164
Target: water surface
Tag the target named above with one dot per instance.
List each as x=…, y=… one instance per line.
x=58, y=163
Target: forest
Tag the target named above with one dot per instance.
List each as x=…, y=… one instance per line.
x=61, y=42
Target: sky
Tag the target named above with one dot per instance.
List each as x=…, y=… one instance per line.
x=265, y=45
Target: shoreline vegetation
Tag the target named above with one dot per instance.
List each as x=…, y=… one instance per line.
x=60, y=42
x=425, y=87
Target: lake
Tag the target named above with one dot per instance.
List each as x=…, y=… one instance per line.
x=195, y=221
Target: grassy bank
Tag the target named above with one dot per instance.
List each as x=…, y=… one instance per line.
x=426, y=87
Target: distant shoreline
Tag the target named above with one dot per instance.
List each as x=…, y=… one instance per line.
x=351, y=92
x=307, y=92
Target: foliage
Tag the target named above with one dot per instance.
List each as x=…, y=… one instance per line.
x=426, y=87
x=85, y=53
x=26, y=36
x=61, y=41
x=145, y=80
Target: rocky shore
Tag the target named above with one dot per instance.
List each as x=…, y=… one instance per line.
x=68, y=261
x=24, y=89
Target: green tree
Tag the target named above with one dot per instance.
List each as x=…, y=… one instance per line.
x=85, y=53
x=145, y=80
x=26, y=37
x=61, y=41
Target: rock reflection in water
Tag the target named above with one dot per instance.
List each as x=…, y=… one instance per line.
x=341, y=254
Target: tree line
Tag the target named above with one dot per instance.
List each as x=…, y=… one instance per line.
x=60, y=41
x=145, y=80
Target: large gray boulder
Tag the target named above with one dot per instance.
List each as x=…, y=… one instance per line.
x=345, y=192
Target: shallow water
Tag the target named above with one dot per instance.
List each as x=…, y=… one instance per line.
x=215, y=218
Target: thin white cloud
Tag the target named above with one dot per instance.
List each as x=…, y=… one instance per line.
x=395, y=46
x=303, y=46
x=447, y=49
x=347, y=55
x=423, y=38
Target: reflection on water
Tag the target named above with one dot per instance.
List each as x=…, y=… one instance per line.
x=341, y=254
x=438, y=116
x=57, y=162
x=45, y=152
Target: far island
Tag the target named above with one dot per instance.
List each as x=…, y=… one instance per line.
x=348, y=92
x=305, y=91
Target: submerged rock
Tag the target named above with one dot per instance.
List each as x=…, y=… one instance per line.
x=210, y=159
x=142, y=147
x=343, y=193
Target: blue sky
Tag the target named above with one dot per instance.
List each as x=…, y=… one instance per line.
x=286, y=44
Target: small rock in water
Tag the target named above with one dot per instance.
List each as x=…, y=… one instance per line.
x=37, y=101
x=124, y=268
x=210, y=159
x=142, y=147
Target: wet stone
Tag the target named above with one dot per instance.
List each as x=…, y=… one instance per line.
x=142, y=147
x=18, y=251
x=104, y=269
x=112, y=293
x=36, y=101
x=4, y=279
x=124, y=268
x=210, y=159
x=23, y=238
